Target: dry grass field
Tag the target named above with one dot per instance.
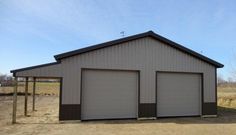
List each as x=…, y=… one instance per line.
x=42, y=88
x=44, y=121
x=227, y=96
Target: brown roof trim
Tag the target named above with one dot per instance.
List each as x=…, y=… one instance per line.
x=130, y=38
x=33, y=67
x=99, y=46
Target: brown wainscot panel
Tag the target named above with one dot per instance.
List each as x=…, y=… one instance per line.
x=70, y=112
x=147, y=110
x=209, y=108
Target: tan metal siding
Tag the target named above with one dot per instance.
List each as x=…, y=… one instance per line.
x=147, y=55
x=46, y=71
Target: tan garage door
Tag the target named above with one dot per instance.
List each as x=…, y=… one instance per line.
x=178, y=94
x=109, y=94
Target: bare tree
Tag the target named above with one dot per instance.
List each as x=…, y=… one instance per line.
x=6, y=80
x=2, y=77
x=230, y=80
x=220, y=80
x=232, y=64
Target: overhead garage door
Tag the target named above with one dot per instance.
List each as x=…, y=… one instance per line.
x=109, y=94
x=178, y=94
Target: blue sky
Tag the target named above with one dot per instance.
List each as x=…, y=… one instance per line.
x=32, y=31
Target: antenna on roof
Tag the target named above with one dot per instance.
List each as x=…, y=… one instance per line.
x=122, y=33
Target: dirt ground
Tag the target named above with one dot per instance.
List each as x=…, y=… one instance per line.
x=45, y=122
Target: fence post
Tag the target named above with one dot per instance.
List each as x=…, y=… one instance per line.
x=14, y=101
x=26, y=95
x=34, y=87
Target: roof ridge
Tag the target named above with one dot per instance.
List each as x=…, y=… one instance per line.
x=160, y=38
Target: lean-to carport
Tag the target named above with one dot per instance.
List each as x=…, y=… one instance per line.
x=49, y=71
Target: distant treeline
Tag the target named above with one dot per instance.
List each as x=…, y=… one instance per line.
x=227, y=84
x=6, y=80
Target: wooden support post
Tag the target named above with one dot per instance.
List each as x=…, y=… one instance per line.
x=14, y=101
x=34, y=87
x=26, y=95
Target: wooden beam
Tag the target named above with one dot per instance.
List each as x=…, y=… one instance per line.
x=26, y=95
x=34, y=87
x=14, y=101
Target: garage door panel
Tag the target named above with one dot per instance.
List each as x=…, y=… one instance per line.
x=178, y=94
x=109, y=94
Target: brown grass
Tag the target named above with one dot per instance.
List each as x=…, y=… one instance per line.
x=42, y=88
x=227, y=96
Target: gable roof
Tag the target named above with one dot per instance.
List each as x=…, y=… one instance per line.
x=138, y=36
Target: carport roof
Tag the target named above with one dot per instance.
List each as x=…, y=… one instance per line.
x=142, y=35
x=33, y=67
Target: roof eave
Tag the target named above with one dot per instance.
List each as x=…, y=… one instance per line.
x=149, y=33
x=33, y=67
x=102, y=45
x=187, y=50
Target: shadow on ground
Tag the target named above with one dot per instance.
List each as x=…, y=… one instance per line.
x=225, y=116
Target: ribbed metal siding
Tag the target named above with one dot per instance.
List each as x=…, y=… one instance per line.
x=47, y=71
x=101, y=100
x=147, y=55
x=178, y=94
